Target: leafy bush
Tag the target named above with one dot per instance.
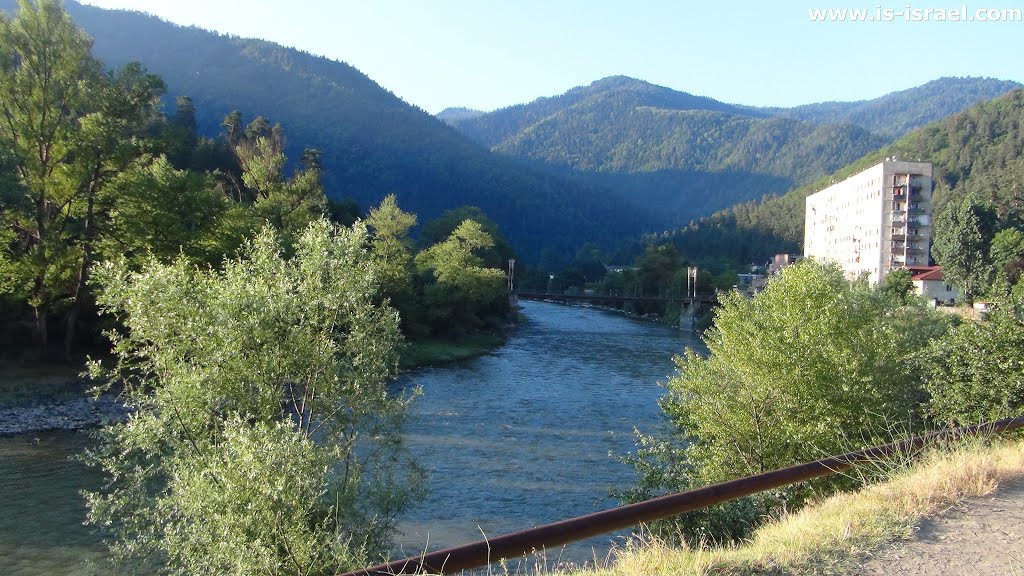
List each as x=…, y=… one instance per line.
x=812, y=366
x=264, y=441
x=976, y=372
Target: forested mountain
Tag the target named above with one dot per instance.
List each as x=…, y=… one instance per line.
x=372, y=142
x=690, y=155
x=494, y=128
x=979, y=151
x=900, y=112
x=458, y=113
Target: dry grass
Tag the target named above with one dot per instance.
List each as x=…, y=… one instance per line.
x=827, y=536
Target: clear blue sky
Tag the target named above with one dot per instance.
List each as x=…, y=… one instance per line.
x=487, y=54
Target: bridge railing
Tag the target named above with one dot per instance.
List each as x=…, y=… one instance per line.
x=515, y=544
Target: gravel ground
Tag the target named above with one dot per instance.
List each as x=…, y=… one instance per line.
x=61, y=414
x=980, y=536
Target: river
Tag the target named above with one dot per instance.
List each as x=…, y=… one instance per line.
x=528, y=434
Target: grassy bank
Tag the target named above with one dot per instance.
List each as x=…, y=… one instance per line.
x=434, y=352
x=831, y=535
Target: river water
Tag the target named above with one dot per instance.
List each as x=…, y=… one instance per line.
x=526, y=435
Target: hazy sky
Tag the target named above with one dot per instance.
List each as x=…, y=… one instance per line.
x=491, y=53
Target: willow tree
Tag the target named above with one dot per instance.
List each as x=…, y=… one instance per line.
x=264, y=439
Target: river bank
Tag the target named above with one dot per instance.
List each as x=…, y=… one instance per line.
x=40, y=398
x=539, y=421
x=44, y=398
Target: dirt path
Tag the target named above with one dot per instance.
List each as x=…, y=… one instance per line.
x=981, y=536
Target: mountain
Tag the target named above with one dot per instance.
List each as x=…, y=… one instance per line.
x=978, y=151
x=455, y=114
x=900, y=112
x=494, y=128
x=372, y=142
x=688, y=155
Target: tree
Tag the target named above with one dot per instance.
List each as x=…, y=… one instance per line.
x=656, y=268
x=466, y=293
x=975, y=373
x=897, y=286
x=1007, y=252
x=441, y=228
x=182, y=133
x=163, y=212
x=264, y=439
x=392, y=251
x=288, y=203
x=69, y=128
x=804, y=369
x=963, y=235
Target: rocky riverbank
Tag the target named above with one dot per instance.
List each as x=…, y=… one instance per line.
x=70, y=413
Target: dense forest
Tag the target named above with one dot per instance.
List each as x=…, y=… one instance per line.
x=92, y=171
x=371, y=142
x=900, y=112
x=977, y=152
x=658, y=158
x=689, y=155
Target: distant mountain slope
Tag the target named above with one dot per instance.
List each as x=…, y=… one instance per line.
x=373, y=143
x=687, y=155
x=690, y=155
x=458, y=113
x=494, y=128
x=979, y=151
x=900, y=112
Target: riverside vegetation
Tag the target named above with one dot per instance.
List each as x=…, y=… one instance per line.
x=255, y=323
x=91, y=170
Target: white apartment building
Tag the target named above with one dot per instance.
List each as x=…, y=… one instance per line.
x=874, y=221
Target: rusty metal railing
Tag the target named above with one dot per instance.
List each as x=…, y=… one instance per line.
x=516, y=544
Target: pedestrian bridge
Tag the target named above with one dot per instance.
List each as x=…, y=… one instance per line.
x=610, y=300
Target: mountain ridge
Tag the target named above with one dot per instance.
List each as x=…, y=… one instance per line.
x=693, y=155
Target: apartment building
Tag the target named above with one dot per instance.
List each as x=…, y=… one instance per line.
x=874, y=221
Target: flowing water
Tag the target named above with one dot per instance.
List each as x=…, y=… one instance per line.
x=526, y=435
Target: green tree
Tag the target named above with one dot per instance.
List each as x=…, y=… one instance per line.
x=164, y=212
x=466, y=294
x=70, y=128
x=182, y=134
x=803, y=369
x=392, y=251
x=897, y=286
x=656, y=266
x=1007, y=254
x=288, y=203
x=975, y=373
x=264, y=439
x=441, y=228
x=963, y=236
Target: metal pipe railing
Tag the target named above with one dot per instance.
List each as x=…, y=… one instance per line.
x=516, y=544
